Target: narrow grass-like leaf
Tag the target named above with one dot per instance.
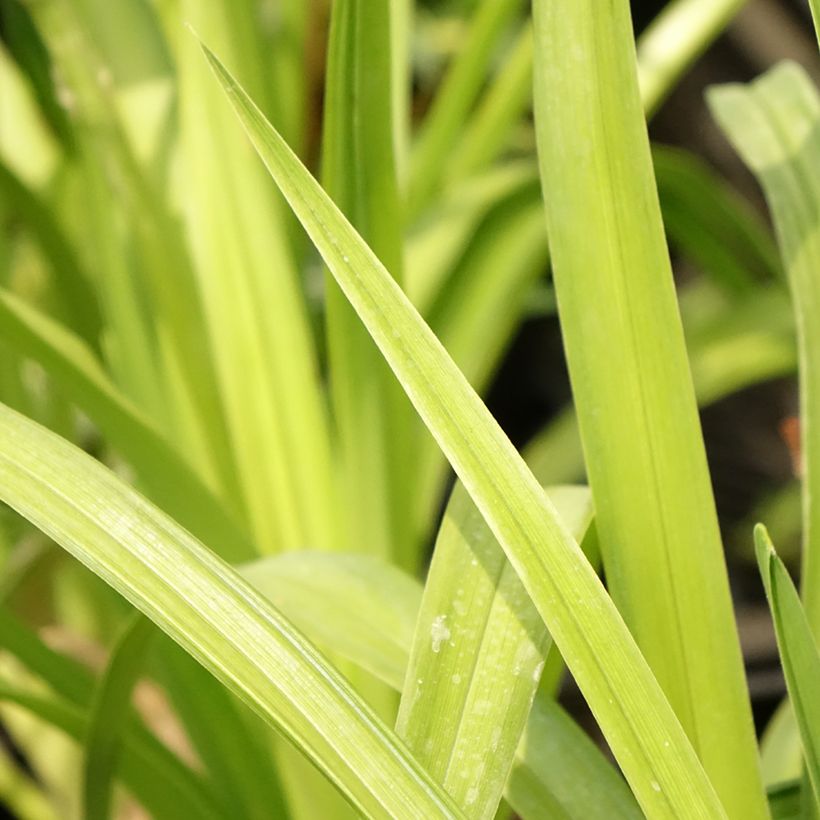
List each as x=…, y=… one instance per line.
x=20, y=795
x=26, y=47
x=774, y=123
x=109, y=715
x=711, y=224
x=477, y=310
x=214, y=615
x=435, y=246
x=477, y=656
x=158, y=794
x=638, y=722
x=680, y=33
x=814, y=5
x=263, y=348
x=506, y=99
x=675, y=39
x=785, y=801
x=169, y=480
x=735, y=349
x=453, y=101
x=71, y=283
x=374, y=422
x=742, y=342
x=141, y=259
x=799, y=654
x=781, y=754
x=285, y=47
x=633, y=391
x=155, y=775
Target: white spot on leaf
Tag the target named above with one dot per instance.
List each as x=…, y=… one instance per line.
x=439, y=632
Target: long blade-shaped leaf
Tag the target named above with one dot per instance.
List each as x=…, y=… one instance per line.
x=774, y=123
x=680, y=33
x=639, y=724
x=263, y=349
x=454, y=99
x=233, y=749
x=207, y=608
x=70, y=281
x=675, y=39
x=109, y=713
x=477, y=656
x=798, y=652
x=633, y=390
x=142, y=258
x=374, y=421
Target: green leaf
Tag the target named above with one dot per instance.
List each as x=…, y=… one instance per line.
x=20, y=795
x=477, y=656
x=774, y=123
x=632, y=387
x=453, y=100
x=306, y=587
x=781, y=753
x=556, y=768
x=70, y=282
x=675, y=39
x=366, y=610
x=138, y=772
x=657, y=758
x=667, y=48
x=435, y=246
x=25, y=45
x=156, y=776
x=109, y=715
x=168, y=479
x=476, y=311
x=234, y=749
x=798, y=652
x=159, y=344
x=207, y=608
x=376, y=427
x=711, y=224
x=507, y=97
x=263, y=349
x=785, y=801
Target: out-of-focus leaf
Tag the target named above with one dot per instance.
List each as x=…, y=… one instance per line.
x=711, y=224
x=774, y=123
x=307, y=587
x=71, y=283
x=109, y=716
x=155, y=775
x=453, y=100
x=375, y=425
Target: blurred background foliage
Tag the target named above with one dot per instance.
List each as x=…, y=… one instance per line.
x=52, y=234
